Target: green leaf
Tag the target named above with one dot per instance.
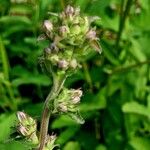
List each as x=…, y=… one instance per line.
x=72, y=146
x=62, y=121
x=140, y=143
x=32, y=79
x=101, y=147
x=6, y=122
x=96, y=102
x=136, y=108
x=67, y=134
x=13, y=145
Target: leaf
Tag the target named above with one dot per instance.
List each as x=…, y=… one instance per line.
x=6, y=122
x=13, y=145
x=140, y=143
x=32, y=79
x=67, y=134
x=62, y=121
x=77, y=117
x=72, y=146
x=3, y=57
x=136, y=108
x=96, y=102
x=101, y=147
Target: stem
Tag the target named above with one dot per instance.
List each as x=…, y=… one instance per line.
x=123, y=17
x=123, y=69
x=57, y=86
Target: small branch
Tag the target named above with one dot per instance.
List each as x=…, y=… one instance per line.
x=57, y=86
x=123, y=69
x=123, y=17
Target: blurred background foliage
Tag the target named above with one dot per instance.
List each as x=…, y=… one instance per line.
x=116, y=84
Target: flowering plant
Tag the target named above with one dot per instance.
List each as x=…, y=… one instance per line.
x=71, y=38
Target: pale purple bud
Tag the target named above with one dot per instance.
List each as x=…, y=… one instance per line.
x=23, y=130
x=69, y=11
x=91, y=35
x=75, y=100
x=63, y=64
x=62, y=107
x=48, y=25
x=73, y=63
x=76, y=95
x=21, y=116
x=63, y=30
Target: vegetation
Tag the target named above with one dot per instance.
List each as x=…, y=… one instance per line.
x=116, y=84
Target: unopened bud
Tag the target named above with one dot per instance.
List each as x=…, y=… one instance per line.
x=75, y=100
x=69, y=11
x=62, y=107
x=64, y=30
x=73, y=63
x=91, y=35
x=23, y=130
x=21, y=116
x=63, y=64
x=50, y=145
x=48, y=25
x=76, y=95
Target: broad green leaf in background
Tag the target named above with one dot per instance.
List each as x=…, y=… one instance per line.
x=72, y=146
x=7, y=121
x=136, y=108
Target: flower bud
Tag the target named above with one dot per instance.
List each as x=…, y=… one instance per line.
x=76, y=95
x=91, y=35
x=21, y=116
x=50, y=144
x=69, y=11
x=63, y=30
x=62, y=107
x=23, y=130
x=63, y=64
x=48, y=25
x=73, y=63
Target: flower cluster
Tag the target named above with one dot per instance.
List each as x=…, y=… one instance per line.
x=27, y=127
x=67, y=103
x=50, y=144
x=71, y=37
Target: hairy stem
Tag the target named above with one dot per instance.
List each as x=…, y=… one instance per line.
x=57, y=86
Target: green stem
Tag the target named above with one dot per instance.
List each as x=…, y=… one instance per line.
x=57, y=86
x=123, y=17
x=123, y=69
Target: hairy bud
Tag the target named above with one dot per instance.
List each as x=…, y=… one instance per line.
x=63, y=64
x=91, y=35
x=48, y=25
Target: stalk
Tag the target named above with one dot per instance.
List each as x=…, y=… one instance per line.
x=57, y=86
